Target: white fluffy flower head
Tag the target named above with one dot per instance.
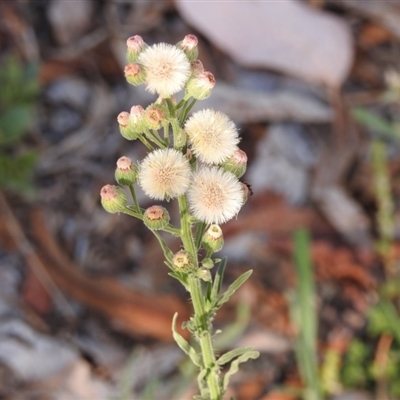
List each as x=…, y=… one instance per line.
x=212, y=135
x=164, y=174
x=167, y=68
x=215, y=196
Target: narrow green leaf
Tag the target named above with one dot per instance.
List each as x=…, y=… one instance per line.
x=184, y=345
x=180, y=277
x=219, y=276
x=201, y=227
x=383, y=194
x=250, y=355
x=304, y=314
x=374, y=122
x=232, y=289
x=230, y=355
x=305, y=288
x=166, y=250
x=202, y=384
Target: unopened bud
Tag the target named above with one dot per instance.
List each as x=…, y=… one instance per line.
x=123, y=119
x=180, y=138
x=135, y=74
x=247, y=191
x=135, y=46
x=204, y=274
x=136, y=123
x=113, y=199
x=125, y=126
x=154, y=116
x=200, y=86
x=213, y=239
x=189, y=155
x=207, y=263
x=196, y=67
x=126, y=172
x=236, y=163
x=189, y=46
x=181, y=261
x=156, y=217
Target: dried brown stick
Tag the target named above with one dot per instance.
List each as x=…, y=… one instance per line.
x=135, y=312
x=25, y=247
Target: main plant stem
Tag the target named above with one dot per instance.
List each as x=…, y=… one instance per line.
x=204, y=328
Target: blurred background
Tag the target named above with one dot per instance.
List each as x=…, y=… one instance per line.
x=85, y=300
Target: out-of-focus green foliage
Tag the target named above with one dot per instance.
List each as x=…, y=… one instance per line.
x=303, y=312
x=354, y=371
x=364, y=366
x=18, y=91
x=377, y=124
x=362, y=370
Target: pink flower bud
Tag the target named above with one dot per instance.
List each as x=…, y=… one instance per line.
x=156, y=217
x=126, y=127
x=123, y=119
x=199, y=86
x=113, y=199
x=189, y=42
x=126, y=172
x=135, y=45
x=155, y=115
x=134, y=74
x=189, y=46
x=197, y=67
x=247, y=191
x=236, y=163
x=181, y=261
x=213, y=239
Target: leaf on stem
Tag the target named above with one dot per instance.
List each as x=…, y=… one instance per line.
x=230, y=355
x=180, y=277
x=202, y=386
x=232, y=289
x=249, y=355
x=184, y=345
x=219, y=276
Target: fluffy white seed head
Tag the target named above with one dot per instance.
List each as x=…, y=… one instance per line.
x=164, y=174
x=167, y=69
x=212, y=135
x=215, y=196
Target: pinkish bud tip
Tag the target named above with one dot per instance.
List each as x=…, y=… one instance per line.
x=124, y=163
x=239, y=157
x=135, y=43
x=155, y=213
x=108, y=192
x=132, y=70
x=189, y=42
x=123, y=118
